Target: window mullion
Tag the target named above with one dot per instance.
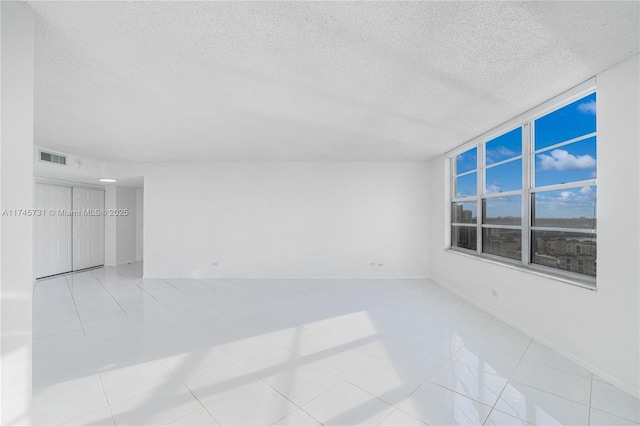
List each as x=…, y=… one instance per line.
x=527, y=181
x=480, y=193
x=570, y=185
x=567, y=142
x=452, y=178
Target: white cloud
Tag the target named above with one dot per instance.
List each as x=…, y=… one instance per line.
x=494, y=188
x=565, y=195
x=570, y=203
x=561, y=160
x=505, y=151
x=588, y=107
x=501, y=151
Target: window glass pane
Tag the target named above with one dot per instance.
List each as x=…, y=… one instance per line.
x=505, y=177
x=574, y=120
x=569, y=163
x=504, y=147
x=503, y=210
x=464, y=237
x=467, y=161
x=565, y=208
x=466, y=186
x=502, y=242
x=569, y=251
x=464, y=213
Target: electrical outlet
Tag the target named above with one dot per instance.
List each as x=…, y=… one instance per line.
x=372, y=263
x=379, y=264
x=214, y=263
x=494, y=292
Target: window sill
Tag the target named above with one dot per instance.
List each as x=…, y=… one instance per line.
x=586, y=284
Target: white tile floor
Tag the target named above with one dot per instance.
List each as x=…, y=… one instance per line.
x=112, y=348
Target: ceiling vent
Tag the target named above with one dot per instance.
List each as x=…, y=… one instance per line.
x=50, y=157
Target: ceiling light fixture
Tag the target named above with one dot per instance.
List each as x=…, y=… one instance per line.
x=107, y=180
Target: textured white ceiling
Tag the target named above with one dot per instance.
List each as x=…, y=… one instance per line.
x=195, y=81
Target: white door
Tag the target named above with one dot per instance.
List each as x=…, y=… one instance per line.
x=53, y=230
x=88, y=228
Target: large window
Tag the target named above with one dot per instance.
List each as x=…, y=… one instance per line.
x=528, y=195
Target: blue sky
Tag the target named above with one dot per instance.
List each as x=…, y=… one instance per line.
x=504, y=147
x=504, y=206
x=565, y=164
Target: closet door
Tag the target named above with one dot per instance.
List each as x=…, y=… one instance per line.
x=53, y=230
x=88, y=228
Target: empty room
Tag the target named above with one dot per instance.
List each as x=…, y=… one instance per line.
x=320, y=213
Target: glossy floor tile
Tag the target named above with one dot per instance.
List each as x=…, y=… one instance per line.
x=111, y=348
x=535, y=406
x=437, y=405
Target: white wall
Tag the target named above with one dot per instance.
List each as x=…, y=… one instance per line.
x=120, y=230
x=126, y=225
x=290, y=219
x=139, y=224
x=598, y=329
x=16, y=182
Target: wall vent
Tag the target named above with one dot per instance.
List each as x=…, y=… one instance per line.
x=50, y=157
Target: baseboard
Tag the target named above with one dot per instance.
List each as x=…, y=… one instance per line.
x=302, y=278
x=540, y=339
x=334, y=278
x=126, y=262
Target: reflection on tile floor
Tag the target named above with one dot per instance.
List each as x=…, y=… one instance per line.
x=111, y=348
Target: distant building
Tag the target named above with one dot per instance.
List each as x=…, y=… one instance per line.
x=574, y=255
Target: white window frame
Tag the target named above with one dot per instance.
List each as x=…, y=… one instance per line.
x=527, y=122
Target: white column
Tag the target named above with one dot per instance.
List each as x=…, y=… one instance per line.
x=110, y=226
x=16, y=233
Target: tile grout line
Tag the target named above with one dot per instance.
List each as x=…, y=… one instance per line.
x=173, y=371
x=136, y=285
x=199, y=402
x=154, y=296
x=110, y=294
x=431, y=374
x=153, y=389
x=392, y=406
x=148, y=294
x=180, y=379
x=426, y=379
x=170, y=285
x=276, y=390
x=590, y=398
x=160, y=302
x=299, y=406
x=493, y=407
x=129, y=398
x=603, y=410
x=559, y=369
x=104, y=393
x=557, y=396
x=76, y=306
x=543, y=390
x=173, y=286
x=144, y=290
